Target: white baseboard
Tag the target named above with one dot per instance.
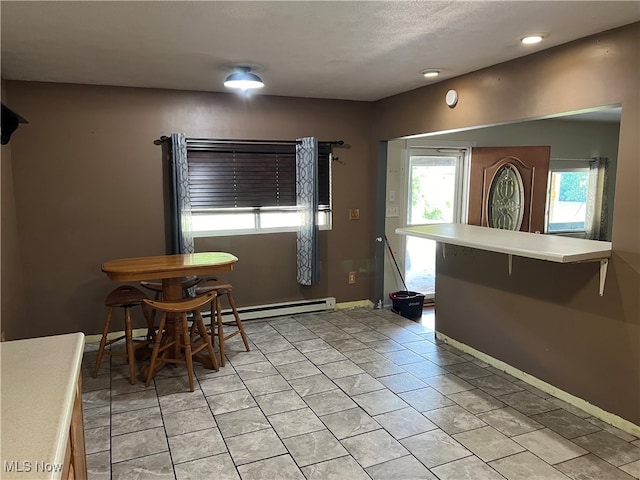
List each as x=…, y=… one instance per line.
x=356, y=304
x=597, y=412
x=286, y=308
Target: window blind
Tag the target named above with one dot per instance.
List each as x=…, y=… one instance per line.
x=250, y=175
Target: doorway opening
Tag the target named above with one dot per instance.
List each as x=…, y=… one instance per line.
x=435, y=194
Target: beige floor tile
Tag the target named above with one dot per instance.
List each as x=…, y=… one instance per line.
x=404, y=468
x=488, y=443
x=157, y=466
x=374, y=447
x=391, y=402
x=526, y=465
x=590, y=467
x=454, y=419
x=609, y=447
x=138, y=444
x=314, y=447
x=219, y=466
x=282, y=467
x=466, y=468
x=296, y=422
x=435, y=448
x=336, y=469
x=348, y=423
x=549, y=446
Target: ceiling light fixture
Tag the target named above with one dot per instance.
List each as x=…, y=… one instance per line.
x=243, y=79
x=430, y=73
x=534, y=38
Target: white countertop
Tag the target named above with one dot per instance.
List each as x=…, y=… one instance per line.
x=553, y=248
x=37, y=390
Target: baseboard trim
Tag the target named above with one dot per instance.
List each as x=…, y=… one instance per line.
x=607, y=417
x=356, y=304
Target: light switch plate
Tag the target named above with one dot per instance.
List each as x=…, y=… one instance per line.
x=392, y=212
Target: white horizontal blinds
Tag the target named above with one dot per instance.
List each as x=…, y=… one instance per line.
x=232, y=175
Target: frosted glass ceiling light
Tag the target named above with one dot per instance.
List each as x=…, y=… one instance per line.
x=430, y=73
x=243, y=79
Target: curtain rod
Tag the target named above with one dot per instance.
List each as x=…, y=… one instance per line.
x=165, y=138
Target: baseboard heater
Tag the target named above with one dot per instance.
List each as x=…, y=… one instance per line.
x=250, y=313
x=279, y=309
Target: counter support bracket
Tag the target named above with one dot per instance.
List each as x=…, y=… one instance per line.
x=604, y=263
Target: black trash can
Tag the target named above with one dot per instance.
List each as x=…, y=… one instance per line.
x=408, y=304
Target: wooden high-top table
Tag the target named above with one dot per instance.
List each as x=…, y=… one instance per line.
x=170, y=269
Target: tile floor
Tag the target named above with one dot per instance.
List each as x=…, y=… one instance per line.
x=351, y=394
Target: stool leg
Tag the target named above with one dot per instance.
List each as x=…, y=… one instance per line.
x=199, y=324
x=103, y=341
x=238, y=321
x=187, y=349
x=156, y=348
x=213, y=328
x=220, y=330
x=176, y=335
x=152, y=313
x=129, y=345
x=149, y=316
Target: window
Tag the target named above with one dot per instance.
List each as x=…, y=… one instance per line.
x=432, y=188
x=574, y=198
x=244, y=187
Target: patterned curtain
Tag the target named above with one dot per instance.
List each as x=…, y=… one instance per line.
x=184, y=233
x=308, y=257
x=596, y=222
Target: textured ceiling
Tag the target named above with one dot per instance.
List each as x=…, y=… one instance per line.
x=364, y=50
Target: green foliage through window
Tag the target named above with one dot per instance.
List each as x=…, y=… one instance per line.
x=573, y=186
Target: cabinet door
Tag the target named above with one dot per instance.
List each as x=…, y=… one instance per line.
x=508, y=187
x=78, y=460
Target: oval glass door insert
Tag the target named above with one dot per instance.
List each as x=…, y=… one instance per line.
x=505, y=207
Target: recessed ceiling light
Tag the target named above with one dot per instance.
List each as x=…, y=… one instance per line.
x=534, y=38
x=430, y=73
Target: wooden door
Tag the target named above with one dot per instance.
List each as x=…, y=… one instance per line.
x=508, y=187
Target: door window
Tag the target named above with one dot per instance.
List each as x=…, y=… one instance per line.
x=434, y=196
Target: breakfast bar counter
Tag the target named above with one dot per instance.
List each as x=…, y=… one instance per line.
x=41, y=425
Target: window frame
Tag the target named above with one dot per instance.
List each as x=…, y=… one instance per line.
x=324, y=212
x=567, y=166
x=461, y=154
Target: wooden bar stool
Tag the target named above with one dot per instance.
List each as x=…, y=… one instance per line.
x=173, y=336
x=222, y=287
x=156, y=288
x=124, y=297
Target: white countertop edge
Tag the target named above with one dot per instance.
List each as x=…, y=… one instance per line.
x=18, y=356
x=70, y=395
x=524, y=244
